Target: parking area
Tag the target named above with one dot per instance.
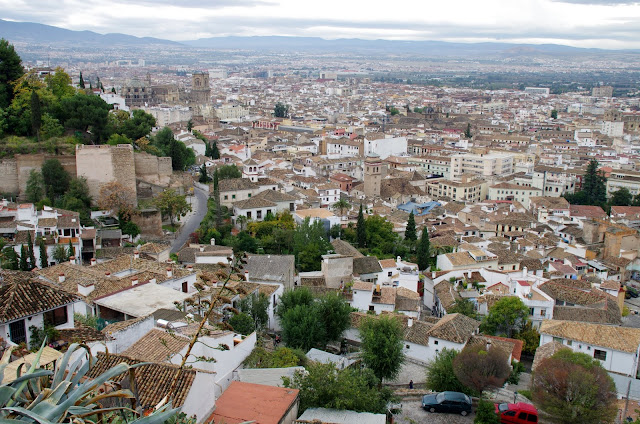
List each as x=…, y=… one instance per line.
x=412, y=413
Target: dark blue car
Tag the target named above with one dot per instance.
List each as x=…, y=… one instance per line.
x=447, y=402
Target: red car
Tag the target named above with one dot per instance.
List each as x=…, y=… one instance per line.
x=517, y=413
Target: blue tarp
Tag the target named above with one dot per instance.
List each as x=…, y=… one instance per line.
x=418, y=209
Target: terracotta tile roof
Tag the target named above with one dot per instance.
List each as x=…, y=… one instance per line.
x=407, y=300
x=344, y=248
x=153, y=248
x=418, y=333
x=455, y=328
x=610, y=284
x=516, y=353
x=258, y=403
x=447, y=295
x=366, y=265
x=157, y=346
x=362, y=285
x=624, y=339
x=508, y=346
x=81, y=334
x=387, y=296
x=153, y=381
x=387, y=263
x=587, y=211
x=121, y=325
x=20, y=296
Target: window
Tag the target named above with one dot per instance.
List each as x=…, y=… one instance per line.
x=389, y=274
x=600, y=354
x=543, y=312
x=531, y=311
x=509, y=414
x=249, y=195
x=249, y=215
x=522, y=416
x=233, y=196
x=185, y=287
x=259, y=214
x=56, y=317
x=435, y=342
x=532, y=418
x=406, y=346
x=371, y=308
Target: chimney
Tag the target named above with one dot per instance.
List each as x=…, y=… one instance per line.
x=72, y=260
x=134, y=281
x=469, y=274
x=410, y=322
x=524, y=271
x=246, y=276
x=190, y=268
x=93, y=261
x=107, y=274
x=398, y=259
x=213, y=241
x=433, y=275
x=169, y=272
x=136, y=254
x=61, y=278
x=85, y=290
x=202, y=248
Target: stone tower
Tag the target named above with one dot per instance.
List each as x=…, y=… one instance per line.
x=372, y=175
x=200, y=90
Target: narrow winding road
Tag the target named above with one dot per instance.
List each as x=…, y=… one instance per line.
x=192, y=224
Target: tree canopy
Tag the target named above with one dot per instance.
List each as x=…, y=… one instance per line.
x=507, y=316
x=55, y=178
x=440, y=375
x=10, y=71
x=381, y=346
x=481, y=368
x=171, y=204
x=573, y=387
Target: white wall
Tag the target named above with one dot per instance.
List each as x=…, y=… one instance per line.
x=131, y=334
x=361, y=299
x=176, y=284
x=616, y=361
x=201, y=398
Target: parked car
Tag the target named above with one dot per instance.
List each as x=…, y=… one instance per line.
x=517, y=413
x=447, y=402
x=632, y=292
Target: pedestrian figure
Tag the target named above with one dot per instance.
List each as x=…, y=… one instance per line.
x=411, y=384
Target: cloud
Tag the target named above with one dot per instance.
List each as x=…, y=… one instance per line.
x=599, y=2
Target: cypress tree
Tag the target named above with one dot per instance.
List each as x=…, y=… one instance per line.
x=32, y=256
x=81, y=84
x=361, y=231
x=216, y=198
x=70, y=250
x=410, y=232
x=215, y=153
x=44, y=258
x=424, y=248
x=36, y=113
x=24, y=265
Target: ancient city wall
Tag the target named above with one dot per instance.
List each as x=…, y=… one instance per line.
x=101, y=165
x=153, y=169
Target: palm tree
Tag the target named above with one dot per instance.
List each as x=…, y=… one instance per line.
x=341, y=205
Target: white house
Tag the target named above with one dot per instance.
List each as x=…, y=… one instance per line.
x=385, y=147
x=616, y=347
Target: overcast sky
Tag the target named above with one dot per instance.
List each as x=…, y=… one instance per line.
x=582, y=23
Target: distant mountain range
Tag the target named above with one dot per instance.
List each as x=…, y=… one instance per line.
x=33, y=33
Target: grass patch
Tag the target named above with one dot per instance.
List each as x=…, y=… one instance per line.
x=169, y=228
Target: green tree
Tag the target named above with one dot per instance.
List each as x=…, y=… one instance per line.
x=361, y=231
x=324, y=386
x=341, y=205
x=79, y=189
x=44, y=258
x=467, y=132
x=24, y=259
x=507, y=316
x=424, y=250
x=486, y=413
x=204, y=177
x=87, y=114
x=280, y=110
x=292, y=298
x=60, y=254
x=10, y=71
x=309, y=244
x=71, y=251
x=621, y=197
x=381, y=239
x=554, y=114
x=30, y=251
x=242, y=323
x=172, y=205
x=81, y=83
x=55, y=178
x=138, y=126
x=189, y=125
x=482, y=368
x=226, y=172
x=573, y=387
x=302, y=327
x=59, y=84
x=34, y=190
x=10, y=259
x=440, y=375
x=594, y=184
x=410, y=233
x=381, y=346
x=464, y=307
x=530, y=338
x=257, y=308
x=50, y=127
x=336, y=314
x=215, y=153
x=36, y=113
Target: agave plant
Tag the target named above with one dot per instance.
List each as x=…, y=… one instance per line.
x=46, y=397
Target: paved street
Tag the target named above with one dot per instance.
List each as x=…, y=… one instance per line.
x=412, y=413
x=193, y=220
